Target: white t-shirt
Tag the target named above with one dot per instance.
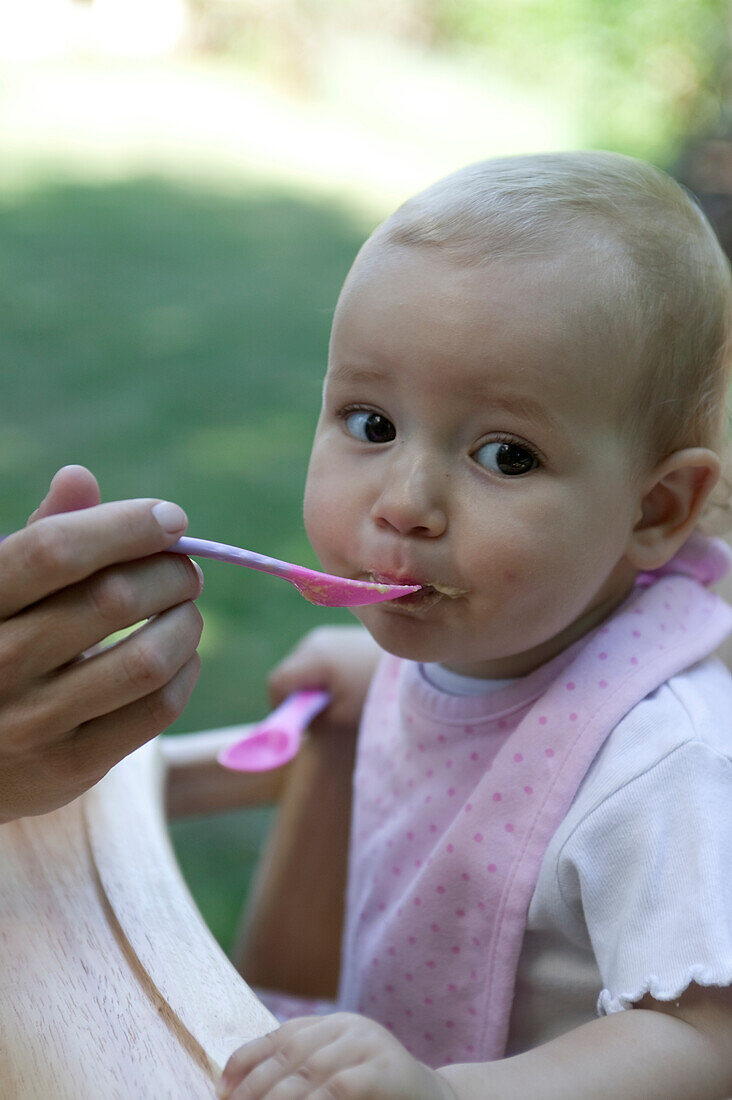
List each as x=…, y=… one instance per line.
x=634, y=894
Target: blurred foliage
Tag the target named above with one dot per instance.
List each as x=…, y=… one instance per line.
x=174, y=341
x=639, y=75
x=218, y=855
x=640, y=72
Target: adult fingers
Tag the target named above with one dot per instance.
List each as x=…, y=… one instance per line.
x=56, y=551
x=71, y=488
x=76, y=764
x=54, y=631
x=136, y=667
x=104, y=741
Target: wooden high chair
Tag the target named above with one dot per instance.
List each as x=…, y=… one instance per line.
x=111, y=985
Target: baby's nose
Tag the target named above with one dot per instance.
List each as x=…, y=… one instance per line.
x=410, y=503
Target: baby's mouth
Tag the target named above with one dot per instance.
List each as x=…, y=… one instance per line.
x=425, y=589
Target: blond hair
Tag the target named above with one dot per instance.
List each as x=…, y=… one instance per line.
x=667, y=289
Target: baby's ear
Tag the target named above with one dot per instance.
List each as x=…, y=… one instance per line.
x=670, y=504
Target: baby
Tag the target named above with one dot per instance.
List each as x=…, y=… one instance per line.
x=524, y=413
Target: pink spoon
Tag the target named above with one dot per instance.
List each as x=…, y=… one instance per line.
x=320, y=588
x=277, y=739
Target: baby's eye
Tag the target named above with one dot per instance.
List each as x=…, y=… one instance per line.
x=509, y=459
x=370, y=426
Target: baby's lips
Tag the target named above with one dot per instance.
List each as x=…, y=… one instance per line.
x=392, y=578
x=443, y=589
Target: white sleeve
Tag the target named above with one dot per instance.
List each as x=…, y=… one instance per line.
x=653, y=864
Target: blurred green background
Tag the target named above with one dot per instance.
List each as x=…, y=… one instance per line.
x=182, y=189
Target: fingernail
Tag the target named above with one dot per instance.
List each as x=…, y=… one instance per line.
x=198, y=569
x=170, y=517
x=222, y=1089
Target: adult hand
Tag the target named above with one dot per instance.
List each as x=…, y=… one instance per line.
x=77, y=573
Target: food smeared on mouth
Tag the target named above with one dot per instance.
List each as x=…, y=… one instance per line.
x=428, y=593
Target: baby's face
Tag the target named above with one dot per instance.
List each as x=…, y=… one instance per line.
x=471, y=441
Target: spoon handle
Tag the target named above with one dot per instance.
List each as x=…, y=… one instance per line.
x=273, y=742
x=236, y=555
x=297, y=711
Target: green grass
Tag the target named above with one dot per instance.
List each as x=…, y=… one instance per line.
x=218, y=856
x=174, y=339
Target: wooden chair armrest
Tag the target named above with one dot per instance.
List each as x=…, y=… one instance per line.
x=197, y=784
x=111, y=985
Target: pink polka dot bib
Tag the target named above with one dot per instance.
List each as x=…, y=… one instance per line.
x=456, y=799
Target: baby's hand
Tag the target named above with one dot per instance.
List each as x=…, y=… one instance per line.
x=324, y=1057
x=341, y=659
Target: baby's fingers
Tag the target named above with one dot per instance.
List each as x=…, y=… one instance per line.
x=298, y=671
x=256, y=1067
x=339, y=659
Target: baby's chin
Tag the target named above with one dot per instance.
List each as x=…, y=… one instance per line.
x=414, y=640
x=409, y=639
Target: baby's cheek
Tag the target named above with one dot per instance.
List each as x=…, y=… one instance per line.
x=318, y=510
x=523, y=591
x=327, y=529
x=501, y=567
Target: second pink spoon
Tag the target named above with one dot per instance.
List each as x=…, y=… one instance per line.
x=277, y=739
x=320, y=588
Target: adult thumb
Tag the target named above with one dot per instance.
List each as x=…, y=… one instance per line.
x=72, y=488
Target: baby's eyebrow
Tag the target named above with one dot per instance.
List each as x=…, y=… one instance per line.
x=518, y=404
x=349, y=372
x=521, y=405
